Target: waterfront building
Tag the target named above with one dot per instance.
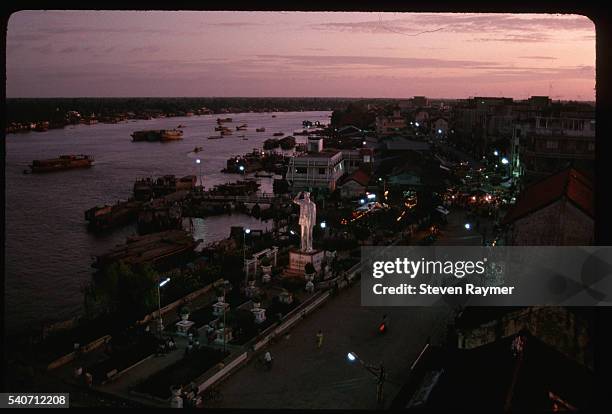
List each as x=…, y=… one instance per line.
x=318, y=168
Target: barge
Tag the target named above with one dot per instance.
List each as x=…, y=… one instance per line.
x=109, y=216
x=63, y=162
x=154, y=135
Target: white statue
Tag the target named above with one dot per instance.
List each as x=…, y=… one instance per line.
x=308, y=218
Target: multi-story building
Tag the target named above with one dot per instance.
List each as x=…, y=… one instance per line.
x=389, y=125
x=549, y=144
x=318, y=168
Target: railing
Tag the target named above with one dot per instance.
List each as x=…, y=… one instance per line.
x=257, y=198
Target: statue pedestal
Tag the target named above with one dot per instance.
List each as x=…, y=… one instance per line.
x=298, y=261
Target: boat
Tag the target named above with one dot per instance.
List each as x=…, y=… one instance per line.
x=219, y=128
x=278, y=134
x=221, y=120
x=180, y=126
x=198, y=149
x=241, y=127
x=245, y=139
x=216, y=137
x=226, y=132
x=261, y=129
x=108, y=216
x=152, y=135
x=273, y=116
x=63, y=162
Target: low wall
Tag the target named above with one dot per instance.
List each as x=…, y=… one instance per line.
x=71, y=356
x=215, y=374
x=185, y=299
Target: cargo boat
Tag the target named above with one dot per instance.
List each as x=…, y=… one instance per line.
x=241, y=127
x=147, y=188
x=260, y=130
x=163, y=250
x=278, y=134
x=221, y=120
x=106, y=217
x=154, y=135
x=63, y=162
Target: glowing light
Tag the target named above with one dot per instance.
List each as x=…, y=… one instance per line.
x=292, y=232
x=371, y=196
x=247, y=231
x=198, y=161
x=504, y=161
x=467, y=226
x=241, y=168
x=417, y=124
x=351, y=356
x=323, y=224
x=164, y=282
x=362, y=201
x=439, y=131
x=496, y=153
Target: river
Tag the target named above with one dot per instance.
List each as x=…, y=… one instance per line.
x=48, y=249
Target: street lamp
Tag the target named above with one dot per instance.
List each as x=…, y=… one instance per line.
x=505, y=161
x=199, y=162
x=467, y=226
x=323, y=224
x=159, y=286
x=246, y=273
x=496, y=153
x=378, y=372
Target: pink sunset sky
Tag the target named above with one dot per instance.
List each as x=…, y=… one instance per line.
x=394, y=55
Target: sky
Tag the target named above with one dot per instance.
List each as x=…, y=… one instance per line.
x=387, y=55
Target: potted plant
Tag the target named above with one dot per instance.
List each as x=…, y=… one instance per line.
x=266, y=265
x=184, y=312
x=220, y=295
x=256, y=301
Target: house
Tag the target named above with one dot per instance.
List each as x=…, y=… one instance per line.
x=440, y=126
x=388, y=125
x=350, y=131
x=557, y=210
x=355, y=184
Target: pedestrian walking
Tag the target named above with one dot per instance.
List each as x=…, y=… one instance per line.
x=319, y=339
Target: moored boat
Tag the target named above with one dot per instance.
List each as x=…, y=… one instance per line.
x=63, y=162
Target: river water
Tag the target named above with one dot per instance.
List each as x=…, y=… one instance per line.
x=48, y=249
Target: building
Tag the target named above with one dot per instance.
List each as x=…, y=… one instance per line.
x=564, y=329
x=419, y=101
x=440, y=126
x=357, y=158
x=318, y=168
x=557, y=210
x=548, y=144
x=388, y=125
x=355, y=184
x=515, y=374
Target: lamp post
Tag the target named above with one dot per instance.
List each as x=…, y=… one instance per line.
x=378, y=372
x=199, y=162
x=244, y=263
x=159, y=286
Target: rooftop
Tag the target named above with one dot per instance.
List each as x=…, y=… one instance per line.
x=575, y=186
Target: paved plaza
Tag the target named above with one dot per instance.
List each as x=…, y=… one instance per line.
x=306, y=377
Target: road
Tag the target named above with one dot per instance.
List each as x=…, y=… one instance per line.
x=310, y=378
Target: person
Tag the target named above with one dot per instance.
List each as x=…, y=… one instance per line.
x=319, y=339
x=268, y=359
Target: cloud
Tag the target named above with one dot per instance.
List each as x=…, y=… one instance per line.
x=516, y=38
x=538, y=57
x=236, y=24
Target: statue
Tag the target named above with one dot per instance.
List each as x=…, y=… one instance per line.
x=308, y=217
